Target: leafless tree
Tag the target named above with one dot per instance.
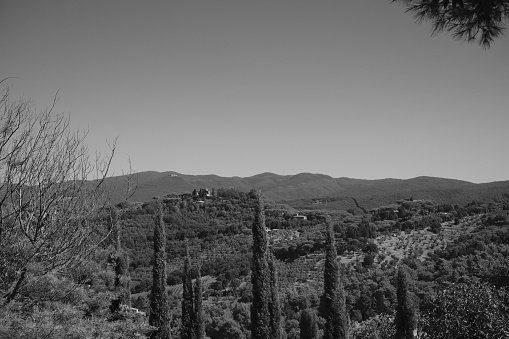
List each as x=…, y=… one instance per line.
x=51, y=192
x=119, y=255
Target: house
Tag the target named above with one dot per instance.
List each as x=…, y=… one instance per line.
x=204, y=193
x=300, y=217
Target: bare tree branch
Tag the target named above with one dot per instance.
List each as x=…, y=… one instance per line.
x=49, y=208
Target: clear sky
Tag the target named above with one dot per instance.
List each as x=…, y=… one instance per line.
x=235, y=88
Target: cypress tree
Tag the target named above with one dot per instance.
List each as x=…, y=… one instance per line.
x=159, y=310
x=308, y=324
x=332, y=302
x=188, y=311
x=199, y=323
x=122, y=278
x=405, y=318
x=274, y=305
x=260, y=280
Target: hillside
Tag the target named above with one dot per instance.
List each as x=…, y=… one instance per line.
x=440, y=245
x=307, y=186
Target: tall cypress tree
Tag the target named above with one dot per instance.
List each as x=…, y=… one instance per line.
x=120, y=260
x=260, y=280
x=159, y=308
x=274, y=305
x=308, y=324
x=405, y=318
x=332, y=302
x=122, y=279
x=199, y=323
x=188, y=311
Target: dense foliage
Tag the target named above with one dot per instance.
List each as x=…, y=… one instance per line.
x=466, y=310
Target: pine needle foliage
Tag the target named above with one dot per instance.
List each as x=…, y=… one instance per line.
x=332, y=302
x=159, y=310
x=480, y=21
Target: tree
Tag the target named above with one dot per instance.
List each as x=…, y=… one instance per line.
x=378, y=327
x=199, y=324
x=332, y=302
x=120, y=260
x=368, y=261
x=405, y=319
x=274, y=304
x=370, y=248
x=435, y=227
x=51, y=194
x=260, y=280
x=159, y=310
x=188, y=311
x=120, y=257
x=466, y=310
x=308, y=324
x=480, y=21
x=192, y=323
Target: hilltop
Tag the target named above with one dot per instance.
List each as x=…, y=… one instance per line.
x=303, y=187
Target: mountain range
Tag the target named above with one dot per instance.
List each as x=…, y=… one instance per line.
x=306, y=186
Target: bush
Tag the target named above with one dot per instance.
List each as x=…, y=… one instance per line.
x=368, y=260
x=435, y=227
x=379, y=327
x=466, y=310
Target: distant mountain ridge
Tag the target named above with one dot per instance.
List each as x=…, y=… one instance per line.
x=369, y=193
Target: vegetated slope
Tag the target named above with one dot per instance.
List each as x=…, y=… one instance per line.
x=303, y=185
x=374, y=193
x=266, y=180
x=162, y=185
x=368, y=193
x=218, y=231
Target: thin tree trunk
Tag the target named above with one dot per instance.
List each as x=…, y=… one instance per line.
x=9, y=296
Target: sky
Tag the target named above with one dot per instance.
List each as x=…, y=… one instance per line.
x=349, y=88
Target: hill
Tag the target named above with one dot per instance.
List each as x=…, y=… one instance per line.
x=307, y=186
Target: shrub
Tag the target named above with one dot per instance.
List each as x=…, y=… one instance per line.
x=466, y=310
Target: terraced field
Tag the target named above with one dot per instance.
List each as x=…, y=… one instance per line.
x=419, y=243
x=392, y=248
